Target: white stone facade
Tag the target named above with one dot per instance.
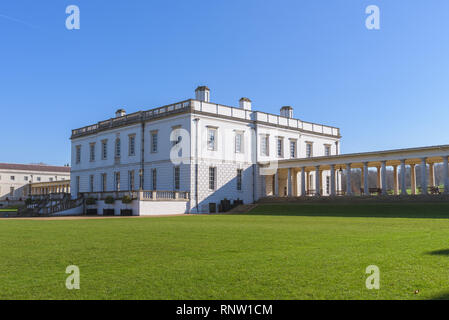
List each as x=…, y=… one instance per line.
x=16, y=178
x=196, y=121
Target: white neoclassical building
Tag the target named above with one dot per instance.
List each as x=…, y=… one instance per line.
x=16, y=179
x=191, y=155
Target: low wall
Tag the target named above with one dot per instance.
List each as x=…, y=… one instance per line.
x=143, y=208
x=70, y=212
x=358, y=199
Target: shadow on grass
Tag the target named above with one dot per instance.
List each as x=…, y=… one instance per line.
x=443, y=252
x=372, y=210
x=442, y=296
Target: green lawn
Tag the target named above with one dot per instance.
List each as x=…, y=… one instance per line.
x=314, y=251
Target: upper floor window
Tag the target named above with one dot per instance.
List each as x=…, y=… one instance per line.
x=132, y=145
x=25, y=178
x=212, y=139
x=78, y=154
x=92, y=152
x=280, y=147
x=117, y=148
x=50, y=179
x=264, y=145
x=239, y=142
x=327, y=150
x=309, y=150
x=13, y=178
x=154, y=141
x=104, y=149
x=38, y=178
x=292, y=148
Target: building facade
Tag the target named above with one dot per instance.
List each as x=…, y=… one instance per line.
x=16, y=179
x=211, y=151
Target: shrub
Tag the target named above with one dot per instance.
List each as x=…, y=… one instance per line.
x=91, y=201
x=126, y=199
x=28, y=201
x=109, y=200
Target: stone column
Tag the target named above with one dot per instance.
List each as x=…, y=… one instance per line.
x=383, y=174
x=431, y=174
x=396, y=180
x=333, y=192
x=413, y=178
x=348, y=180
x=276, y=183
x=379, y=178
x=403, y=176
x=446, y=174
x=308, y=181
x=424, y=176
x=317, y=181
x=366, y=179
x=289, y=183
x=303, y=181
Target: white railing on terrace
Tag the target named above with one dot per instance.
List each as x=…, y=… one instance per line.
x=263, y=117
x=139, y=195
x=209, y=108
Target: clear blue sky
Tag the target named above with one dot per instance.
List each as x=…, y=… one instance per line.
x=385, y=89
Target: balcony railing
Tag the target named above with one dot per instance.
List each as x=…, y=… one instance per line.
x=146, y=195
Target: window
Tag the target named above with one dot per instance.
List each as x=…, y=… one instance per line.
x=92, y=152
x=103, y=182
x=13, y=178
x=328, y=184
x=50, y=179
x=25, y=178
x=292, y=148
x=239, y=179
x=132, y=145
x=78, y=154
x=77, y=186
x=239, y=142
x=38, y=178
x=212, y=139
x=264, y=146
x=176, y=135
x=11, y=192
x=91, y=183
x=117, y=148
x=154, y=141
x=327, y=150
x=309, y=150
x=104, y=149
x=117, y=181
x=212, y=177
x=280, y=147
x=131, y=180
x=154, y=178
x=177, y=173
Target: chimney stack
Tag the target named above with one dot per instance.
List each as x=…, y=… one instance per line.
x=245, y=103
x=120, y=113
x=202, y=93
x=287, y=112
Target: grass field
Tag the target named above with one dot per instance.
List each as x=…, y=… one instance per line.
x=314, y=251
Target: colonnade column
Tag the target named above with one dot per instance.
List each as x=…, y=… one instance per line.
x=317, y=181
x=333, y=180
x=379, y=178
x=413, y=178
x=446, y=174
x=403, y=176
x=366, y=179
x=431, y=174
x=289, y=183
x=383, y=174
x=348, y=180
x=396, y=180
x=303, y=181
x=424, y=176
x=276, y=183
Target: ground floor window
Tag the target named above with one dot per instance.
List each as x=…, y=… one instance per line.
x=91, y=183
x=154, y=178
x=103, y=182
x=328, y=184
x=239, y=179
x=177, y=173
x=131, y=180
x=117, y=181
x=212, y=177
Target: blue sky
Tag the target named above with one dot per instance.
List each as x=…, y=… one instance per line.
x=385, y=89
